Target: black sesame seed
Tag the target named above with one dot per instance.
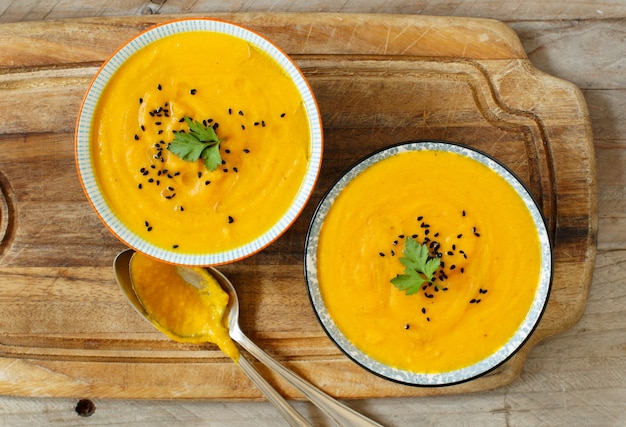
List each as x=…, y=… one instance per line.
x=207, y=182
x=230, y=219
x=182, y=119
x=140, y=186
x=458, y=236
x=227, y=151
x=462, y=270
x=143, y=128
x=175, y=246
x=395, y=242
x=150, y=180
x=414, y=236
x=427, y=231
x=423, y=310
x=282, y=115
x=240, y=113
x=199, y=174
x=152, y=166
x=243, y=127
x=393, y=253
x=176, y=173
x=159, y=87
x=450, y=253
x=141, y=100
x=230, y=111
x=149, y=229
x=193, y=91
x=256, y=123
x=263, y=123
x=245, y=150
x=136, y=137
x=407, y=326
x=401, y=236
x=472, y=301
x=170, y=188
x=452, y=267
x=381, y=254
x=463, y=213
x=225, y=170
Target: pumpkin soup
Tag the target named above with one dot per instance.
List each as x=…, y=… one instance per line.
x=452, y=212
x=181, y=311
x=221, y=84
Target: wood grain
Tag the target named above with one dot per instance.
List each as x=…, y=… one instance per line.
x=35, y=10
x=462, y=82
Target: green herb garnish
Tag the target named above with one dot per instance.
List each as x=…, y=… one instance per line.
x=200, y=142
x=420, y=267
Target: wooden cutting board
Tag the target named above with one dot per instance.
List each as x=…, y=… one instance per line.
x=65, y=327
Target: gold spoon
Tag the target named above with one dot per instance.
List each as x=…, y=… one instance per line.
x=340, y=413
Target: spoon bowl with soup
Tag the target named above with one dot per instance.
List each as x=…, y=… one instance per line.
x=199, y=305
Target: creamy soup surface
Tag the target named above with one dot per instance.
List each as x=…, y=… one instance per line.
x=258, y=115
x=487, y=243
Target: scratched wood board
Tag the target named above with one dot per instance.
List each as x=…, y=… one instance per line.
x=66, y=329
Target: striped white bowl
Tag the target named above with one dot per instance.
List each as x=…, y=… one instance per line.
x=83, y=148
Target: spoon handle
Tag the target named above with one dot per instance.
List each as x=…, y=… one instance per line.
x=287, y=411
x=340, y=413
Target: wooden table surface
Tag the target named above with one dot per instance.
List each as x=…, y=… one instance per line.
x=577, y=377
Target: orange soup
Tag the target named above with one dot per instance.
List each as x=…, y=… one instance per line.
x=221, y=82
x=469, y=218
x=181, y=311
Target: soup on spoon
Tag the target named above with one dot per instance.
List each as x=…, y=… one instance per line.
x=179, y=309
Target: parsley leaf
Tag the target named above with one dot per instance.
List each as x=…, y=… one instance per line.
x=419, y=267
x=200, y=142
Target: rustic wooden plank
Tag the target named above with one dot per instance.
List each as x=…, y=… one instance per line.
x=31, y=10
x=574, y=44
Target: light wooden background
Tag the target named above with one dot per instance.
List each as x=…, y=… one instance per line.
x=576, y=378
